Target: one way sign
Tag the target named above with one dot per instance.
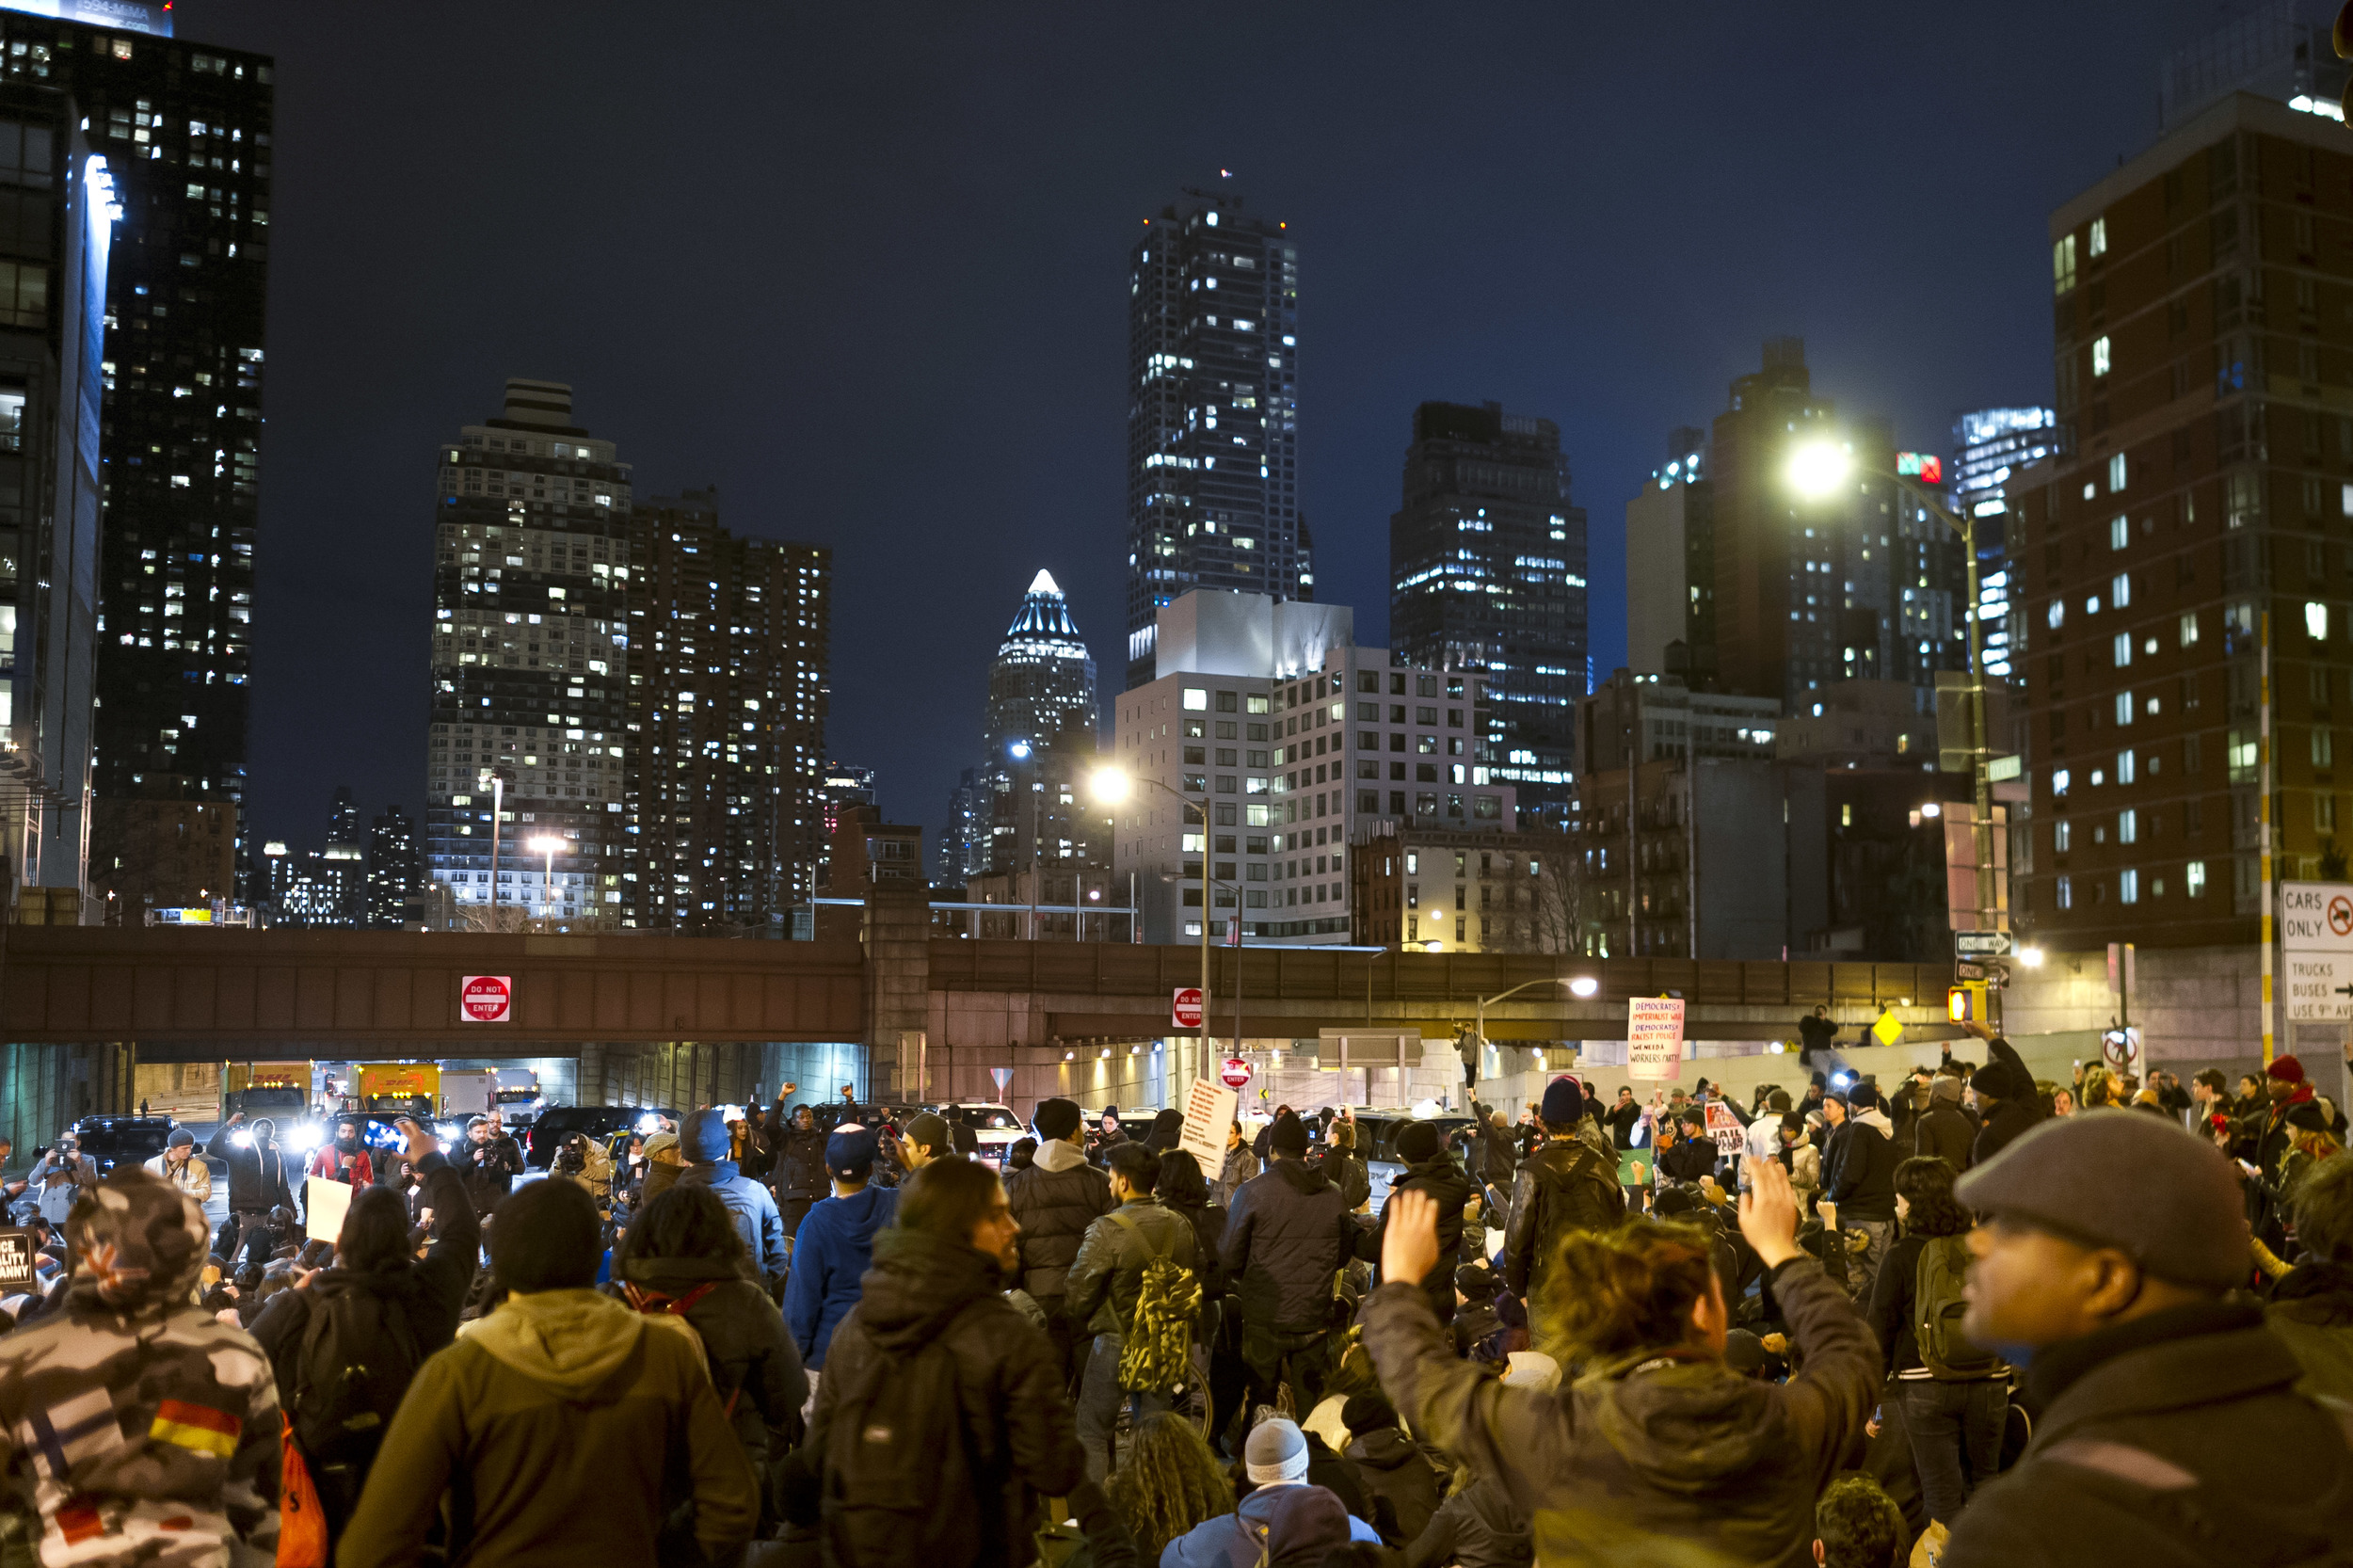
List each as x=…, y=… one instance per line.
x=1981, y=944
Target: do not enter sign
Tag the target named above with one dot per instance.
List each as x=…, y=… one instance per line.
x=1236, y=1072
x=486, y=999
x=1186, y=1009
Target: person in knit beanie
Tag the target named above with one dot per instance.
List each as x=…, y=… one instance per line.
x=1563, y=1187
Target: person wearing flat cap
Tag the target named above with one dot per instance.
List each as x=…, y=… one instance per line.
x=1563, y=1187
x=2171, y=1427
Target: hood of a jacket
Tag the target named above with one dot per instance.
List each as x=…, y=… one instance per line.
x=1385, y=1448
x=1944, y=1091
x=865, y=1212
x=919, y=1282
x=1876, y=1120
x=1059, y=1154
x=141, y=1242
x=1686, y=1427
x=2317, y=1293
x=1301, y=1178
x=568, y=1341
x=712, y=1173
x=675, y=1276
x=1301, y=1522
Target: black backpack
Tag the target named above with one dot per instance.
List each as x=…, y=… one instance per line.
x=895, y=1487
x=357, y=1358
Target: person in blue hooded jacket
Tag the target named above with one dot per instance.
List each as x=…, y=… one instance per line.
x=706, y=1144
x=835, y=1244
x=1283, y=1520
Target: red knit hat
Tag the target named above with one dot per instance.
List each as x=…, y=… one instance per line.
x=2287, y=1069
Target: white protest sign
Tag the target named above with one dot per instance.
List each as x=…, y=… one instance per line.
x=1654, y=1038
x=324, y=1205
x=1210, y=1109
x=1723, y=1127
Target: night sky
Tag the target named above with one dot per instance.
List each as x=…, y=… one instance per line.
x=866, y=272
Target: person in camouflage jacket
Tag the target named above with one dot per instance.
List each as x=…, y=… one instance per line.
x=133, y=1426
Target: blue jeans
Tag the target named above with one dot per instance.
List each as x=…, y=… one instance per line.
x=1949, y=1423
x=1098, y=1404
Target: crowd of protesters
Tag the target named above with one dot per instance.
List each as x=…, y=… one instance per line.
x=1969, y=1318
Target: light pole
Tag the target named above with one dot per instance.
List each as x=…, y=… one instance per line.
x=547, y=844
x=497, y=779
x=1480, y=1027
x=1021, y=751
x=1207, y=881
x=1114, y=785
x=1819, y=468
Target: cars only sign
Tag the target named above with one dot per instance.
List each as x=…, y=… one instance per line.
x=486, y=999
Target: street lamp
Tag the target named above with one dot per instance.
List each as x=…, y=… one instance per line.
x=547, y=844
x=1481, y=1025
x=496, y=779
x=1113, y=786
x=1020, y=751
x=1817, y=469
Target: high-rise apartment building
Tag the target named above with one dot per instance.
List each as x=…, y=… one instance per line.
x=1992, y=450
x=2202, y=349
x=845, y=787
x=530, y=658
x=1865, y=584
x=1268, y=717
x=1487, y=573
x=726, y=720
x=56, y=225
x=395, y=869
x=1213, y=413
x=186, y=130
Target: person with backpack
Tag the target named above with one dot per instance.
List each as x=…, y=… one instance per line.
x=136, y=1428
x=683, y=1257
x=1955, y=1394
x=1135, y=1289
x=708, y=1146
x=346, y=1341
x=1563, y=1188
x=940, y=1422
x=562, y=1428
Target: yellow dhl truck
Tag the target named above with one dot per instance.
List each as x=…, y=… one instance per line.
x=392, y=1088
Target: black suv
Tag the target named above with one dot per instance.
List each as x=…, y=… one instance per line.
x=542, y=1138
x=112, y=1141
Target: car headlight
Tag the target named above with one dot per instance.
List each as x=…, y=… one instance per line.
x=648, y=1124
x=304, y=1140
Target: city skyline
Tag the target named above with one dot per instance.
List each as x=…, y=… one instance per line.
x=1418, y=291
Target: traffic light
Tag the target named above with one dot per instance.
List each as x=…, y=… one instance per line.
x=2340, y=39
x=1965, y=1003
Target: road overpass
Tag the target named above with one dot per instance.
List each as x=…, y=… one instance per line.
x=670, y=1019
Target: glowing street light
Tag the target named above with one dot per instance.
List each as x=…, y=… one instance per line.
x=1817, y=469
x=1111, y=785
x=1584, y=985
x=547, y=844
x=1114, y=785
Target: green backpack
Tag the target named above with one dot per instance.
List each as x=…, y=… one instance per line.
x=1157, y=1353
x=1937, y=1309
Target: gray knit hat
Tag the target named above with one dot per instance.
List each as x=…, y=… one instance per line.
x=2140, y=1184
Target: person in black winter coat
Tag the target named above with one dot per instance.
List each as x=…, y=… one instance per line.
x=799, y=1174
x=2005, y=1096
x=684, y=1256
x=1686, y=1153
x=415, y=1301
x=1859, y=1177
x=1287, y=1236
x=1944, y=1130
x=1055, y=1200
x=1397, y=1477
x=1182, y=1188
x=1623, y=1118
x=1343, y=1163
x=1565, y=1187
x=1427, y=1170
x=491, y=1161
x=257, y=1181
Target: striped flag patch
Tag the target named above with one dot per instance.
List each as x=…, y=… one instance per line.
x=63, y=1435
x=196, y=1426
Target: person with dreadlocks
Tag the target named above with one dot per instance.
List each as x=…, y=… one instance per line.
x=1167, y=1482
x=683, y=1257
x=138, y=1426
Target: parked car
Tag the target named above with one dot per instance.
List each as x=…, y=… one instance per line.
x=1376, y=1144
x=995, y=1125
x=543, y=1137
x=112, y=1141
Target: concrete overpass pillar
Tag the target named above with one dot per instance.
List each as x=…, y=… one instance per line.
x=898, y=939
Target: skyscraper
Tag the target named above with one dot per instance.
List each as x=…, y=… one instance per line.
x=1670, y=567
x=1862, y=585
x=1992, y=448
x=726, y=720
x=394, y=869
x=1487, y=573
x=186, y=130
x=529, y=662
x=55, y=246
x=1213, y=413
x=1041, y=685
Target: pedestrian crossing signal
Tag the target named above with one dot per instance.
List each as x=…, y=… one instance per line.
x=1965, y=1003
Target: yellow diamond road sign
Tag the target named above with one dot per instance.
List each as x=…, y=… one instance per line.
x=1889, y=1029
